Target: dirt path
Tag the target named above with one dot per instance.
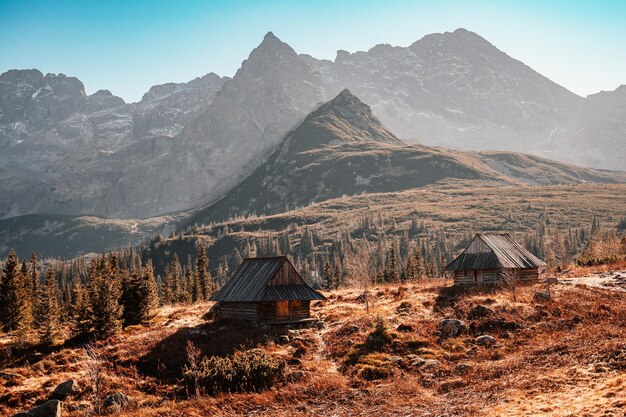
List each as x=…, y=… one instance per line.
x=606, y=280
x=319, y=356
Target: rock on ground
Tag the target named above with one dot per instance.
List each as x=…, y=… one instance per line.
x=50, y=408
x=542, y=296
x=451, y=327
x=486, y=340
x=117, y=399
x=64, y=390
x=480, y=311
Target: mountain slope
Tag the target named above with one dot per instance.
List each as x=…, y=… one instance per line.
x=599, y=136
x=342, y=149
x=58, y=143
x=180, y=146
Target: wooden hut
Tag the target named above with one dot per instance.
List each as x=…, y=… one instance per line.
x=492, y=259
x=266, y=290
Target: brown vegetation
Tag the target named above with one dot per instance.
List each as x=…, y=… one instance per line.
x=565, y=355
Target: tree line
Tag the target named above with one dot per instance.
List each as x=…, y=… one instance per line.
x=96, y=299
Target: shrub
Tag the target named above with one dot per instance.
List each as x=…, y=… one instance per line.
x=404, y=307
x=380, y=336
x=372, y=373
x=416, y=343
x=252, y=370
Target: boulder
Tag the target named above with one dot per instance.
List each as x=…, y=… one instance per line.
x=451, y=327
x=282, y=339
x=552, y=280
x=64, y=390
x=394, y=359
x=117, y=399
x=480, y=311
x=50, y=408
x=486, y=340
x=542, y=296
x=426, y=364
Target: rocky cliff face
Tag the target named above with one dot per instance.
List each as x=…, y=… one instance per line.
x=180, y=146
x=599, y=134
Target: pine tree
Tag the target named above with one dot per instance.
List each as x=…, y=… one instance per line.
x=328, y=276
x=235, y=260
x=170, y=289
x=419, y=263
x=140, y=297
x=80, y=311
x=392, y=268
x=48, y=310
x=105, y=300
x=150, y=298
x=202, y=276
x=15, y=301
x=34, y=275
x=188, y=285
x=410, y=273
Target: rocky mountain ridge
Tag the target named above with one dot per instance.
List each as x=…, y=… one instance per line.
x=187, y=144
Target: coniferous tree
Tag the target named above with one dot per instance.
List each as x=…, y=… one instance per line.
x=141, y=297
x=15, y=302
x=202, y=275
x=34, y=275
x=235, y=260
x=410, y=272
x=420, y=270
x=80, y=311
x=105, y=300
x=48, y=310
x=171, y=288
x=392, y=268
x=328, y=276
x=188, y=285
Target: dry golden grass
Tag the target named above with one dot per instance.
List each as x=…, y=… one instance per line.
x=563, y=357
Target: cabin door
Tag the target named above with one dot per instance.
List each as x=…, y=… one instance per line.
x=282, y=309
x=478, y=276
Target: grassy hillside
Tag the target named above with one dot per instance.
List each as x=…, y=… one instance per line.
x=561, y=356
x=453, y=207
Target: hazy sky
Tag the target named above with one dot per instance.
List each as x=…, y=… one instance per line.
x=128, y=46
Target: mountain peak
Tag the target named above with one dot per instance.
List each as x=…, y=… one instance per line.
x=270, y=36
x=344, y=119
x=271, y=41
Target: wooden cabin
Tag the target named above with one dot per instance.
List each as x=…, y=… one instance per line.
x=493, y=259
x=266, y=290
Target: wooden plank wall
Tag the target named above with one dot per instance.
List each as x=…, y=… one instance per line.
x=286, y=275
x=239, y=311
x=493, y=276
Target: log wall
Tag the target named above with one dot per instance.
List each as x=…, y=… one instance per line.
x=491, y=276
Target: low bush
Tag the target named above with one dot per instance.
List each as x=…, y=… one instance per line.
x=372, y=373
x=252, y=370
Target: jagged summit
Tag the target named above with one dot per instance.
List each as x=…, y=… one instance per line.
x=273, y=43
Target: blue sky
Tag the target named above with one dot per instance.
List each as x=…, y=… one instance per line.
x=128, y=46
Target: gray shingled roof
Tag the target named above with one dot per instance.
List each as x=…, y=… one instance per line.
x=506, y=253
x=249, y=284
